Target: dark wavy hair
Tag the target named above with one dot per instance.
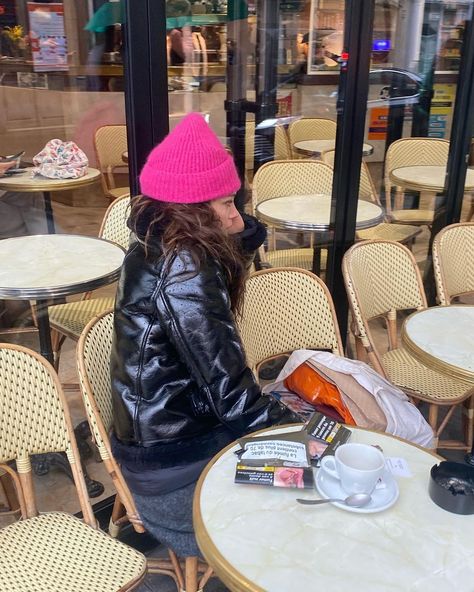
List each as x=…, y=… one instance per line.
x=196, y=229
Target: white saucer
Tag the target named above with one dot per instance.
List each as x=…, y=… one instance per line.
x=382, y=498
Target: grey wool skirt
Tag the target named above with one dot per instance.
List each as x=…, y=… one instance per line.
x=169, y=518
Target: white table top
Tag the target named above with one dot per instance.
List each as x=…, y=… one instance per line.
x=319, y=146
x=311, y=212
x=442, y=337
x=53, y=265
x=24, y=182
x=258, y=538
x=428, y=178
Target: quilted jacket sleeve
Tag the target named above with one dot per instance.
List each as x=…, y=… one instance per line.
x=195, y=308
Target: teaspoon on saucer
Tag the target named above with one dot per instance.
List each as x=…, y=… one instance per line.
x=355, y=500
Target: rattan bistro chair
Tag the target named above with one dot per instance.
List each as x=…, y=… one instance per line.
x=290, y=177
x=110, y=142
x=412, y=152
x=310, y=128
x=453, y=262
x=284, y=310
x=382, y=278
x=93, y=362
x=51, y=551
x=402, y=233
x=69, y=319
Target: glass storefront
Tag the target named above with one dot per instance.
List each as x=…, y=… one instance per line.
x=270, y=77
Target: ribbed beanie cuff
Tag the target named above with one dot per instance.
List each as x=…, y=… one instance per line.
x=189, y=166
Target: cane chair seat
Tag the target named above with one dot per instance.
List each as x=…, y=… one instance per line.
x=407, y=373
x=395, y=232
x=453, y=261
x=420, y=217
x=93, y=362
x=69, y=319
x=53, y=551
x=302, y=258
x=116, y=192
x=284, y=310
x=382, y=279
x=110, y=142
x=59, y=553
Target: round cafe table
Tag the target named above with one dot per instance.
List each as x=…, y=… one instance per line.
x=312, y=213
x=441, y=338
x=426, y=178
x=317, y=147
x=44, y=267
x=259, y=538
x=26, y=183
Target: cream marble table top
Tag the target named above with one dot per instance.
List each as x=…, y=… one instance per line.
x=317, y=147
x=259, y=538
x=312, y=212
x=55, y=265
x=426, y=178
x=25, y=183
x=442, y=338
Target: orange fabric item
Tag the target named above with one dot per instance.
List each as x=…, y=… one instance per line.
x=310, y=386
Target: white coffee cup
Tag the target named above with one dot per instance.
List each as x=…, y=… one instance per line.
x=357, y=466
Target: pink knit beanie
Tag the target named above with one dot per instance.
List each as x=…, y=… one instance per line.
x=189, y=166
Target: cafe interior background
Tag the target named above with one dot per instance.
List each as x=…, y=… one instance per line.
x=68, y=68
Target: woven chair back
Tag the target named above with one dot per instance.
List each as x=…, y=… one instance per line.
x=93, y=357
x=114, y=224
x=366, y=185
x=414, y=152
x=110, y=142
x=310, y=128
x=381, y=277
x=453, y=261
x=282, y=146
x=93, y=366
x=286, y=309
x=35, y=418
x=291, y=177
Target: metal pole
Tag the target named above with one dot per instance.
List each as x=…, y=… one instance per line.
x=266, y=80
x=352, y=106
x=146, y=81
x=236, y=75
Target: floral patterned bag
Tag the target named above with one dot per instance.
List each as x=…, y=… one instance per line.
x=61, y=160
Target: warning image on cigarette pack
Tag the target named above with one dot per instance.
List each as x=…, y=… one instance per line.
x=289, y=477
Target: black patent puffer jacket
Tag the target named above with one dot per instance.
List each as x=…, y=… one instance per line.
x=181, y=386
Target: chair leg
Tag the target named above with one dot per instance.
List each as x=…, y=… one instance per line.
x=468, y=421
x=8, y=492
x=433, y=421
x=57, y=340
x=191, y=574
x=118, y=511
x=205, y=578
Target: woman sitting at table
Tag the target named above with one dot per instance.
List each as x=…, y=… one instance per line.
x=182, y=389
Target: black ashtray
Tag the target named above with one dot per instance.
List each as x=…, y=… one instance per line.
x=452, y=487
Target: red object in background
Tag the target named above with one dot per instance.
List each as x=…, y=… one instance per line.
x=344, y=56
x=2, y=10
